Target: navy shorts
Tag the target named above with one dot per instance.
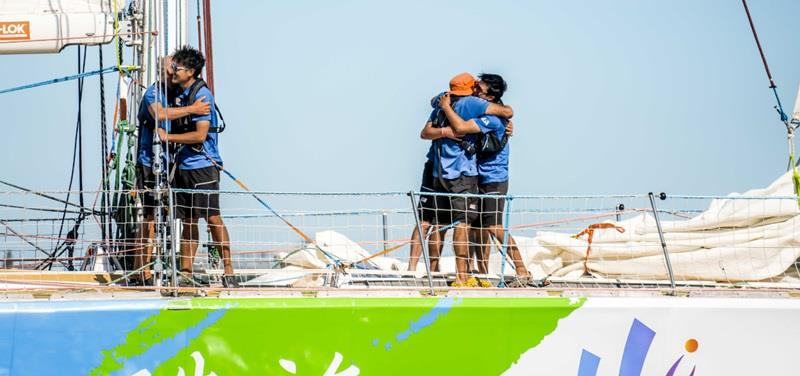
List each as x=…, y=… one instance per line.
x=457, y=209
x=197, y=205
x=146, y=184
x=492, y=208
x=426, y=208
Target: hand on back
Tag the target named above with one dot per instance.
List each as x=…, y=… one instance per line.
x=199, y=107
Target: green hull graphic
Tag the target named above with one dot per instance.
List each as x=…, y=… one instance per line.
x=347, y=336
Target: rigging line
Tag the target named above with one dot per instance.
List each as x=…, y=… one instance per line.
x=199, y=31
x=49, y=210
x=51, y=197
x=74, y=38
x=772, y=85
x=790, y=126
x=81, y=199
x=63, y=79
x=117, y=40
x=23, y=237
x=166, y=27
x=337, y=262
x=105, y=222
x=77, y=145
x=68, y=243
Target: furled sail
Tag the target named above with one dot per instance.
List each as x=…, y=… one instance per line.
x=46, y=26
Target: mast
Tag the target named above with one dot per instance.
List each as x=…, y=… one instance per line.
x=169, y=18
x=208, y=44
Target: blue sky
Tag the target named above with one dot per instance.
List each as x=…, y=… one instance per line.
x=610, y=97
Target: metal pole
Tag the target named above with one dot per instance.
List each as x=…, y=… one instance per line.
x=208, y=44
x=423, y=243
x=176, y=240
x=160, y=224
x=619, y=209
x=385, y=220
x=504, y=248
x=661, y=236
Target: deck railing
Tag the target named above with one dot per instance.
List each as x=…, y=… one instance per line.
x=313, y=239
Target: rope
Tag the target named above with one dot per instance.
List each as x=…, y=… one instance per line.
x=793, y=168
x=590, y=232
x=105, y=201
x=381, y=253
x=68, y=78
x=77, y=148
x=152, y=33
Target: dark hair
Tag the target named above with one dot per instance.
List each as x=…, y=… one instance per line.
x=496, y=85
x=190, y=58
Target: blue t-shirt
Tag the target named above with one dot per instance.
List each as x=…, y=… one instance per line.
x=189, y=159
x=452, y=160
x=493, y=169
x=145, y=142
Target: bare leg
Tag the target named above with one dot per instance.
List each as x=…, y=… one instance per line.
x=189, y=244
x=144, y=251
x=435, y=244
x=219, y=233
x=461, y=249
x=513, y=251
x=474, y=249
x=416, y=245
x=484, y=251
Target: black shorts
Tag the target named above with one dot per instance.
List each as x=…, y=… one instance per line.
x=197, y=205
x=145, y=184
x=456, y=209
x=426, y=208
x=492, y=208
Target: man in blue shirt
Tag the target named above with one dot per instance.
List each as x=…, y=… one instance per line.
x=153, y=111
x=427, y=208
x=455, y=169
x=492, y=170
x=197, y=167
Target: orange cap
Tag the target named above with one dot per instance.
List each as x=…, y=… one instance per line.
x=462, y=84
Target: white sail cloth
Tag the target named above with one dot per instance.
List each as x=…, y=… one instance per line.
x=747, y=237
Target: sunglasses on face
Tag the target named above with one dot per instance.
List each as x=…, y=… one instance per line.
x=176, y=68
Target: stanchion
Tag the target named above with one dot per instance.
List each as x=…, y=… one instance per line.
x=662, y=196
x=385, y=222
x=176, y=233
x=424, y=244
x=504, y=248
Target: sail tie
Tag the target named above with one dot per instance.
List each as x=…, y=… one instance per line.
x=589, y=231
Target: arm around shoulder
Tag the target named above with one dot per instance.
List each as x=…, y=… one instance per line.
x=500, y=110
x=429, y=132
